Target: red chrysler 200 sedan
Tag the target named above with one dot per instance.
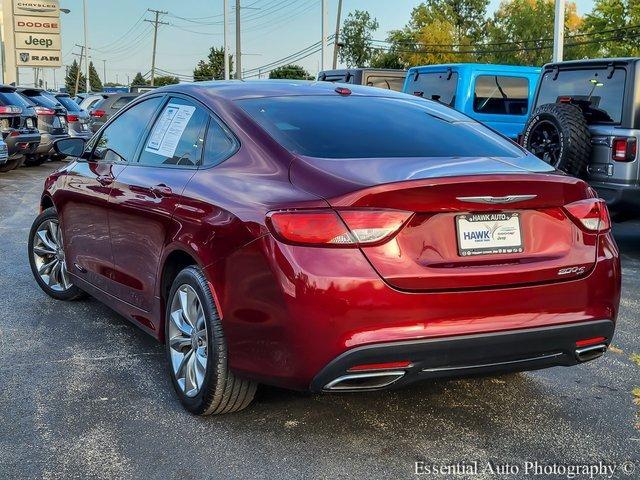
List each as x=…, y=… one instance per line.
x=325, y=238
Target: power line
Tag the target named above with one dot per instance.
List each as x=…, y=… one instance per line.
x=156, y=23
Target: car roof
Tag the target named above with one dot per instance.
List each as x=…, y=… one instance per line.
x=592, y=61
x=342, y=71
x=479, y=67
x=242, y=89
x=30, y=89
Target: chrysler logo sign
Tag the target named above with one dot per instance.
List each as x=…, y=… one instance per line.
x=43, y=8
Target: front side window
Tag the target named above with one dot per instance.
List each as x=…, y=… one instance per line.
x=439, y=86
x=500, y=95
x=177, y=137
x=600, y=91
x=119, y=140
x=390, y=83
x=360, y=127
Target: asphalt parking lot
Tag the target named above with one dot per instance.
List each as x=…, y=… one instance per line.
x=84, y=394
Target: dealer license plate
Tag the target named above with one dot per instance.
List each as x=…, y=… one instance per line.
x=489, y=233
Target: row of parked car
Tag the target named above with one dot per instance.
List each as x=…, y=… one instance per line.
x=32, y=119
x=582, y=117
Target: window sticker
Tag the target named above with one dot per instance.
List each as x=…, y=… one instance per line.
x=169, y=129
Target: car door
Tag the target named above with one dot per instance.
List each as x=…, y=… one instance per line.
x=145, y=197
x=85, y=202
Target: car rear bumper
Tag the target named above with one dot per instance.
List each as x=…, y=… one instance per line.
x=621, y=199
x=24, y=144
x=293, y=310
x=514, y=350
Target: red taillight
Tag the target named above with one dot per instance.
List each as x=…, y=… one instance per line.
x=72, y=118
x=624, y=149
x=328, y=228
x=97, y=113
x=380, y=366
x=44, y=111
x=590, y=341
x=10, y=110
x=343, y=91
x=590, y=214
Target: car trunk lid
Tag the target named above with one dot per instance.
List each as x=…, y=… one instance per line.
x=431, y=252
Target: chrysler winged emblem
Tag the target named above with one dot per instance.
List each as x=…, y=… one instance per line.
x=490, y=199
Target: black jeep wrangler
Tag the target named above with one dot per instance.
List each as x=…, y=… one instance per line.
x=585, y=121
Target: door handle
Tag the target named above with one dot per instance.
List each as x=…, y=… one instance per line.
x=105, y=180
x=161, y=190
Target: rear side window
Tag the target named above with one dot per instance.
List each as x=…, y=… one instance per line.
x=440, y=87
x=361, y=127
x=601, y=96
x=499, y=95
x=390, y=83
x=219, y=144
x=119, y=140
x=177, y=137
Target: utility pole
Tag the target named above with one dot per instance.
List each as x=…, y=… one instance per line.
x=323, y=50
x=79, y=68
x=558, y=32
x=225, y=6
x=156, y=24
x=86, y=46
x=337, y=36
x=238, y=46
x=104, y=72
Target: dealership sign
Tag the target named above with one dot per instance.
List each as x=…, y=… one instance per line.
x=38, y=58
x=35, y=24
x=37, y=8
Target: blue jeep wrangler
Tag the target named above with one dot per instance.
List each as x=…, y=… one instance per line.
x=498, y=95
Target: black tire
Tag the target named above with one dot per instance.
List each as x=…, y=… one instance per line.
x=221, y=391
x=12, y=164
x=71, y=293
x=573, y=151
x=34, y=161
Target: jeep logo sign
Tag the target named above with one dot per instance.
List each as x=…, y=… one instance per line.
x=35, y=24
x=35, y=41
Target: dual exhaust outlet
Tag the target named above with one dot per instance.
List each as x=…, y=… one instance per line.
x=375, y=380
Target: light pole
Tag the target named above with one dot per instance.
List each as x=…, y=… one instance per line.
x=558, y=31
x=225, y=6
x=86, y=46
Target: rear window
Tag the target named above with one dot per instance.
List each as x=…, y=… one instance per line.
x=13, y=98
x=603, y=95
x=42, y=100
x=69, y=104
x=440, y=87
x=500, y=95
x=370, y=127
x=388, y=82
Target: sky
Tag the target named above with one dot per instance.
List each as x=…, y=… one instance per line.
x=120, y=42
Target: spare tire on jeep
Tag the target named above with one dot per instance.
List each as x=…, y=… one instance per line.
x=558, y=134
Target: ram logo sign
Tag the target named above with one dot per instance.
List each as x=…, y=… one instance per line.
x=38, y=58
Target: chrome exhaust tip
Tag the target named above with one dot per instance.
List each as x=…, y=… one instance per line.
x=364, y=381
x=589, y=353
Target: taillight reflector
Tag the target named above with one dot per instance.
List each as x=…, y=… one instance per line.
x=345, y=228
x=72, y=118
x=10, y=110
x=624, y=149
x=590, y=341
x=97, y=113
x=380, y=366
x=590, y=214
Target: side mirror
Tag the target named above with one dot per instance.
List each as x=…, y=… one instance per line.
x=70, y=147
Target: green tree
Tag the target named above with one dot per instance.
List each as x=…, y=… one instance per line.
x=468, y=17
x=390, y=59
x=614, y=14
x=70, y=80
x=291, y=72
x=520, y=31
x=94, y=79
x=213, y=67
x=355, y=37
x=165, y=80
x=139, y=80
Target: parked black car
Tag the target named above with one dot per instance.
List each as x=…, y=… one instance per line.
x=77, y=118
x=372, y=77
x=52, y=121
x=18, y=127
x=102, y=111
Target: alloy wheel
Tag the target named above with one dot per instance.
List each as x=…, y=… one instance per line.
x=188, y=340
x=544, y=142
x=48, y=254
